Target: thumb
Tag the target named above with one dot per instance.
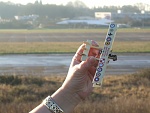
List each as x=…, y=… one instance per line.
x=91, y=61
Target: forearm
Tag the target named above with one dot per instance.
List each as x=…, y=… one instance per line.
x=65, y=99
x=40, y=109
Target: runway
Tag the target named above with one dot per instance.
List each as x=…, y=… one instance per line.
x=71, y=37
x=58, y=64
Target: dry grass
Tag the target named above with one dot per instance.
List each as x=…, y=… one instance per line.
x=122, y=105
x=119, y=94
x=66, y=47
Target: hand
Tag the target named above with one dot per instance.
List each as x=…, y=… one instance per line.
x=78, y=83
x=81, y=73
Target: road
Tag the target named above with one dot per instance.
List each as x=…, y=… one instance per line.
x=58, y=64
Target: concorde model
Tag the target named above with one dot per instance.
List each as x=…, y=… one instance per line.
x=105, y=54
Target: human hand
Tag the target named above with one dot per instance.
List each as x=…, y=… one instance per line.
x=78, y=83
x=81, y=73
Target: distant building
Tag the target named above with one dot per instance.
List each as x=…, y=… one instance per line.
x=27, y=17
x=5, y=20
x=103, y=15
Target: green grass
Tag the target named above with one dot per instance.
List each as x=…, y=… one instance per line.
x=49, y=47
x=66, y=47
x=24, y=31
x=136, y=46
x=119, y=94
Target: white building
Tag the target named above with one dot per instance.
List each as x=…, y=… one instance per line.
x=103, y=15
x=27, y=17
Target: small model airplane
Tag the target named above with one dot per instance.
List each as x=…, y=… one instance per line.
x=106, y=54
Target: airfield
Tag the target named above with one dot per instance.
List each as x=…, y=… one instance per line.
x=72, y=37
x=58, y=64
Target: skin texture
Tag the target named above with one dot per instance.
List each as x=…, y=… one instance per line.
x=78, y=83
x=80, y=74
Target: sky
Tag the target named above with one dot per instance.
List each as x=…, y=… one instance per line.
x=88, y=3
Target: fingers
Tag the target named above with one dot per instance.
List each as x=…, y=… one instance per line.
x=91, y=73
x=77, y=57
x=89, y=66
x=92, y=52
x=79, y=53
x=90, y=62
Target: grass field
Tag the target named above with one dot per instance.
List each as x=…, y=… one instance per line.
x=70, y=30
x=66, y=47
x=56, y=40
x=119, y=94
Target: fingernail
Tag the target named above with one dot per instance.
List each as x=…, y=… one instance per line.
x=94, y=43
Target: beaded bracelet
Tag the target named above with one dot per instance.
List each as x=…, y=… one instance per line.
x=52, y=106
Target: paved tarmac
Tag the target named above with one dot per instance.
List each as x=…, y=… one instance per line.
x=72, y=37
x=58, y=64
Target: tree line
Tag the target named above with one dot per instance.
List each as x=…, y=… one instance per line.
x=49, y=14
x=73, y=9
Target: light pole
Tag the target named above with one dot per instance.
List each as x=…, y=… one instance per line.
x=143, y=19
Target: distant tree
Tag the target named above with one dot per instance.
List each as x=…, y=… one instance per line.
x=77, y=4
x=41, y=2
x=106, y=9
x=78, y=8
x=52, y=13
x=36, y=2
x=140, y=6
x=130, y=9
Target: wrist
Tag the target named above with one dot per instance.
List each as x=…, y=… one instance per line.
x=66, y=99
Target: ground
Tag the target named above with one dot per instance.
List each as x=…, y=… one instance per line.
x=71, y=37
x=32, y=37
